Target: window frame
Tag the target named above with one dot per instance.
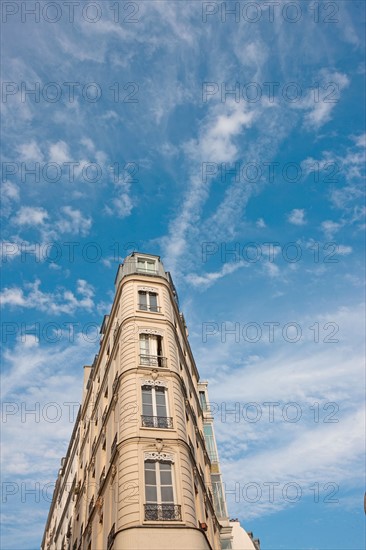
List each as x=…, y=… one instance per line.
x=153, y=399
x=148, y=360
x=148, y=305
x=146, y=261
x=159, y=485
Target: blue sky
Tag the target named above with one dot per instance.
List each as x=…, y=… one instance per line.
x=132, y=139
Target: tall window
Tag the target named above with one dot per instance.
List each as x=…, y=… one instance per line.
x=146, y=266
x=159, y=492
x=219, y=501
x=203, y=400
x=148, y=301
x=154, y=408
x=210, y=442
x=151, y=350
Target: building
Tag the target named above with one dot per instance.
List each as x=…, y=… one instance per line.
x=142, y=469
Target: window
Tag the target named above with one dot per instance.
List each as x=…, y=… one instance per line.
x=203, y=400
x=148, y=301
x=154, y=408
x=151, y=350
x=210, y=442
x=159, y=492
x=146, y=266
x=218, y=497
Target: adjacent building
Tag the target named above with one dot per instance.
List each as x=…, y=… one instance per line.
x=142, y=468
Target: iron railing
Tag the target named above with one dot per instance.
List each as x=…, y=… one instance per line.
x=152, y=360
x=163, y=512
x=157, y=421
x=146, y=271
x=145, y=307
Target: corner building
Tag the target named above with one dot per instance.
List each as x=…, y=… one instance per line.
x=142, y=470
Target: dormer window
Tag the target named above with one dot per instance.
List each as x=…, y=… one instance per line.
x=146, y=265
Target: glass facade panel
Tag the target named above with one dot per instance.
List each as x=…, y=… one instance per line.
x=210, y=442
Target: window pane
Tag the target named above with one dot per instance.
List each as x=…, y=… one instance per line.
x=147, y=407
x=203, y=400
x=142, y=300
x=167, y=494
x=150, y=477
x=153, y=302
x=166, y=478
x=147, y=410
x=210, y=443
x=160, y=396
x=150, y=481
x=144, y=343
x=150, y=493
x=165, y=466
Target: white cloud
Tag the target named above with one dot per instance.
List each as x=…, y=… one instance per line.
x=216, y=139
x=30, y=152
x=57, y=302
x=215, y=143
x=9, y=196
x=330, y=228
x=121, y=206
x=74, y=222
x=260, y=223
x=297, y=216
x=59, y=152
x=360, y=140
x=344, y=250
x=10, y=191
x=31, y=215
x=208, y=279
x=271, y=269
x=320, y=101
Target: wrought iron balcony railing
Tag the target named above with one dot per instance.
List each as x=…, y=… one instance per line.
x=163, y=512
x=145, y=307
x=146, y=271
x=156, y=421
x=152, y=360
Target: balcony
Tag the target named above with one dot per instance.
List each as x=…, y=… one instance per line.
x=162, y=512
x=145, y=307
x=145, y=271
x=156, y=421
x=153, y=360
x=111, y=536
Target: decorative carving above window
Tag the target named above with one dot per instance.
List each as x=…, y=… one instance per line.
x=150, y=331
x=165, y=457
x=148, y=289
x=151, y=382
